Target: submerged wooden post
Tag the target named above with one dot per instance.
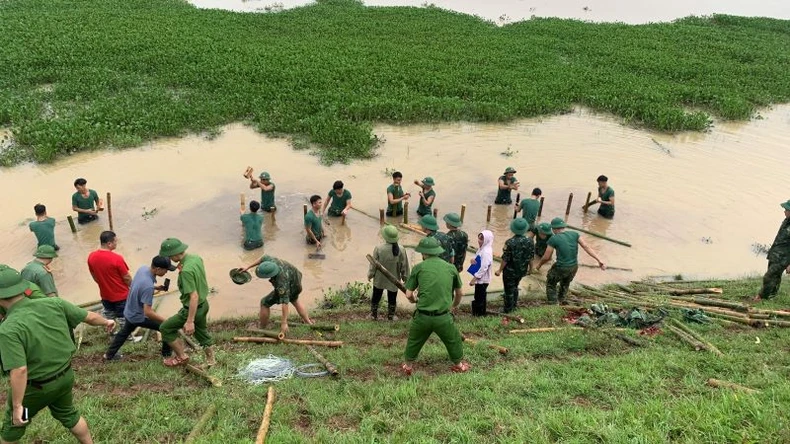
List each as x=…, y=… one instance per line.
x=267, y=415
x=540, y=209
x=304, y=210
x=435, y=213
x=381, y=216
x=488, y=214
x=242, y=201
x=587, y=203
x=71, y=224
x=463, y=212
x=406, y=212
x=109, y=209
x=343, y=219
x=568, y=208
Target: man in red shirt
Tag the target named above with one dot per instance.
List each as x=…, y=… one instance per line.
x=110, y=271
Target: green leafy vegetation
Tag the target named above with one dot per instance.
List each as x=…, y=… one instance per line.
x=80, y=75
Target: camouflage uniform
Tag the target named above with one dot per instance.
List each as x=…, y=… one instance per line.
x=517, y=253
x=287, y=284
x=460, y=241
x=778, y=260
x=446, y=243
x=562, y=276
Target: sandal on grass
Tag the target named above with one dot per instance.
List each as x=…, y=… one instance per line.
x=407, y=369
x=175, y=361
x=461, y=367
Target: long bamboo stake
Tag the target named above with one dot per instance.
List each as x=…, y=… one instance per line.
x=772, y=323
x=267, y=417
x=586, y=205
x=544, y=329
x=488, y=214
x=322, y=327
x=211, y=379
x=328, y=365
x=731, y=385
x=195, y=346
x=710, y=347
x=71, y=224
x=463, y=212
x=685, y=291
x=500, y=349
x=777, y=313
x=568, y=208
x=312, y=342
x=390, y=277
x=89, y=305
x=406, y=212
x=268, y=333
x=599, y=235
x=256, y=340
x=518, y=202
x=686, y=338
x=514, y=318
x=607, y=267
x=540, y=209
x=109, y=210
x=201, y=424
x=412, y=228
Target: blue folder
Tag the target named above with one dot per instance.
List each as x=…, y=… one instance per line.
x=475, y=267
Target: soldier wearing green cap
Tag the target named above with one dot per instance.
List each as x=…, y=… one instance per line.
x=36, y=348
x=193, y=315
x=428, y=222
x=287, y=282
x=507, y=182
x=435, y=281
x=427, y=195
x=267, y=190
x=540, y=234
x=778, y=258
x=458, y=238
x=566, y=243
x=393, y=258
x=37, y=271
x=516, y=256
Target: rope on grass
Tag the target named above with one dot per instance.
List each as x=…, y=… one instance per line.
x=302, y=371
x=268, y=369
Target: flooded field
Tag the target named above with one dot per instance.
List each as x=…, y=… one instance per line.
x=691, y=204
x=505, y=11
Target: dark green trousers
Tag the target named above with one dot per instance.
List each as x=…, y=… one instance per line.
x=772, y=279
x=510, y=280
x=558, y=280
x=170, y=327
x=422, y=326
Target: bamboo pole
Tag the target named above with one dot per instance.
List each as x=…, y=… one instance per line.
x=771, y=323
x=777, y=313
x=488, y=214
x=201, y=424
x=731, y=385
x=540, y=209
x=211, y=379
x=685, y=291
x=514, y=318
x=710, y=347
x=268, y=333
x=109, y=210
x=500, y=349
x=256, y=340
x=715, y=303
x=607, y=267
x=544, y=329
x=411, y=227
x=89, y=305
x=343, y=219
x=323, y=327
x=436, y=213
x=71, y=224
x=463, y=212
x=599, y=235
x=304, y=210
x=312, y=342
x=390, y=277
x=587, y=202
x=195, y=346
x=685, y=337
x=518, y=202
x=242, y=202
x=267, y=415
x=568, y=207
x=382, y=220
x=406, y=212
x=328, y=365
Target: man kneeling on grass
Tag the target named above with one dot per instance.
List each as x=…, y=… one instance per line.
x=435, y=280
x=287, y=282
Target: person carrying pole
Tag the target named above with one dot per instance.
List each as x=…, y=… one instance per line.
x=396, y=261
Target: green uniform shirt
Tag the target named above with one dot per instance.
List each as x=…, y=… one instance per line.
x=338, y=203
x=252, y=227
x=566, y=244
x=459, y=240
x=313, y=221
x=397, y=265
x=33, y=293
x=446, y=243
x=36, y=335
x=422, y=210
x=44, y=231
x=397, y=193
x=191, y=278
x=37, y=273
x=85, y=203
x=540, y=244
x=267, y=197
x=606, y=210
x=517, y=253
x=436, y=280
x=529, y=210
x=288, y=283
x=503, y=196
x=780, y=249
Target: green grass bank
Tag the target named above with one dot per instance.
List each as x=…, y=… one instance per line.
x=563, y=386
x=80, y=75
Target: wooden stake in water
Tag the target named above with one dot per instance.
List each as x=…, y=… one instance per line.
x=406, y=212
x=71, y=224
x=343, y=219
x=518, y=202
x=540, y=210
x=381, y=216
x=488, y=214
x=435, y=213
x=109, y=209
x=241, y=201
x=463, y=212
x=568, y=208
x=304, y=210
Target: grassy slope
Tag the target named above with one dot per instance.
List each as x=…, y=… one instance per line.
x=553, y=387
x=84, y=74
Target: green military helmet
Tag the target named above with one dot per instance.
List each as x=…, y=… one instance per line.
x=240, y=277
x=45, y=252
x=519, y=225
x=171, y=247
x=11, y=282
x=267, y=269
x=428, y=181
x=390, y=234
x=265, y=176
x=429, y=246
x=544, y=228
x=429, y=222
x=786, y=205
x=558, y=223
x=453, y=219
x=510, y=170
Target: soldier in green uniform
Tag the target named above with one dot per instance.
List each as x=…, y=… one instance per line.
x=427, y=196
x=267, y=190
x=338, y=200
x=566, y=243
x=312, y=222
x=83, y=200
x=429, y=223
x=252, y=223
x=605, y=198
x=287, y=282
x=516, y=256
x=396, y=196
x=506, y=183
x=459, y=239
x=540, y=234
x=395, y=260
x=530, y=206
x=435, y=281
x=36, y=349
x=193, y=314
x=778, y=259
x=37, y=271
x=43, y=227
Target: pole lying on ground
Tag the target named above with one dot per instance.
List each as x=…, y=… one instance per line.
x=267, y=417
x=328, y=365
x=500, y=349
x=256, y=340
x=731, y=385
x=544, y=329
x=540, y=209
x=390, y=277
x=71, y=224
x=323, y=327
x=599, y=235
x=463, y=212
x=518, y=202
x=109, y=210
x=607, y=267
x=211, y=379
x=568, y=208
x=710, y=347
x=201, y=424
x=513, y=318
x=268, y=333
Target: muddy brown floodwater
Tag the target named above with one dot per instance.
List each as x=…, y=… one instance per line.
x=692, y=203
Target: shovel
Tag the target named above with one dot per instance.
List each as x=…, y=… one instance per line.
x=317, y=254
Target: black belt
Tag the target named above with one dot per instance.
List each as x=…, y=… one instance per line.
x=38, y=383
x=433, y=313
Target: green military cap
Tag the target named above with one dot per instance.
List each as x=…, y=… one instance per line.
x=519, y=225
x=429, y=245
x=558, y=222
x=429, y=222
x=45, y=252
x=11, y=282
x=267, y=269
x=544, y=228
x=428, y=181
x=171, y=247
x=240, y=277
x=265, y=176
x=390, y=234
x=510, y=170
x=453, y=219
x=786, y=205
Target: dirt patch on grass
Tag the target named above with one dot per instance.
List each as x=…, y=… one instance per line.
x=360, y=374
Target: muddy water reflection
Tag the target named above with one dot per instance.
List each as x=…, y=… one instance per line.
x=672, y=191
